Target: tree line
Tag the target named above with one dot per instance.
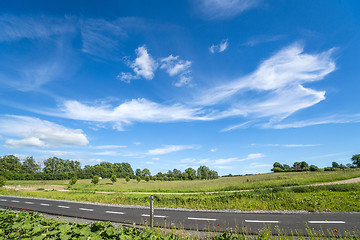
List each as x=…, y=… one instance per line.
x=54, y=168
x=304, y=166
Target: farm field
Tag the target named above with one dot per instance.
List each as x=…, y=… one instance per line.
x=259, y=181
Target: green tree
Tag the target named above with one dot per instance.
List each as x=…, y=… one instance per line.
x=138, y=172
x=2, y=181
x=147, y=178
x=191, y=173
x=203, y=172
x=113, y=178
x=145, y=172
x=313, y=168
x=277, y=167
x=127, y=179
x=95, y=179
x=138, y=179
x=30, y=165
x=335, y=165
x=73, y=180
x=356, y=160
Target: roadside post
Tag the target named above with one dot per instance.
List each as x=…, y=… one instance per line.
x=151, y=211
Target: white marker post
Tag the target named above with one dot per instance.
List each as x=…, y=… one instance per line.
x=151, y=211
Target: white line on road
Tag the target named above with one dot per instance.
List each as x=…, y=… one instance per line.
x=29, y=202
x=63, y=206
x=86, y=209
x=155, y=216
x=3, y=200
x=260, y=221
x=115, y=212
x=202, y=219
x=15, y=201
x=44, y=204
x=326, y=222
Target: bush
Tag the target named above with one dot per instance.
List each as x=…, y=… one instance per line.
x=95, y=179
x=127, y=179
x=147, y=178
x=113, y=178
x=2, y=181
x=72, y=180
x=138, y=178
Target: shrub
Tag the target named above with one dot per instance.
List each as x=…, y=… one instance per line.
x=72, y=180
x=2, y=181
x=127, y=179
x=138, y=178
x=113, y=178
x=95, y=179
x=147, y=178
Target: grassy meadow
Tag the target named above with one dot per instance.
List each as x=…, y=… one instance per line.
x=268, y=180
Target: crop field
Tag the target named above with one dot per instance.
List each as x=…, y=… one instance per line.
x=260, y=181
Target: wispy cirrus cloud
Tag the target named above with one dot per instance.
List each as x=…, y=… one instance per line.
x=171, y=148
x=175, y=66
x=34, y=132
x=286, y=145
x=219, y=48
x=224, y=9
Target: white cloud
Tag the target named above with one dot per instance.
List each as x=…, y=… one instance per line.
x=287, y=145
x=276, y=86
x=235, y=159
x=175, y=66
x=219, y=48
x=25, y=142
x=14, y=28
x=143, y=66
x=224, y=9
x=213, y=150
x=335, y=119
x=155, y=159
x=170, y=148
x=39, y=133
x=237, y=126
x=96, y=160
x=137, y=110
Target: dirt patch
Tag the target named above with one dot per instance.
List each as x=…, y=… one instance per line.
x=37, y=187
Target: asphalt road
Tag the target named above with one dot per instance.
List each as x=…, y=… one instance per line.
x=192, y=219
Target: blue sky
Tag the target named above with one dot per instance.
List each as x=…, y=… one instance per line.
x=232, y=84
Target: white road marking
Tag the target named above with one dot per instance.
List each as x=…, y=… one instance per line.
x=260, y=221
x=202, y=219
x=63, y=206
x=331, y=222
x=29, y=202
x=155, y=216
x=86, y=209
x=15, y=201
x=3, y=200
x=44, y=204
x=115, y=212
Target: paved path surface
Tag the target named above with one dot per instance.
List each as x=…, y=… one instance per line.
x=190, y=219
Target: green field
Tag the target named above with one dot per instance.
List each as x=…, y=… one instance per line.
x=338, y=198
x=268, y=180
x=272, y=191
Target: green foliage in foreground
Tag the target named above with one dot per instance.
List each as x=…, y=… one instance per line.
x=2, y=181
x=24, y=225
x=339, y=198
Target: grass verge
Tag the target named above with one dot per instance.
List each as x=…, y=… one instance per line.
x=336, y=198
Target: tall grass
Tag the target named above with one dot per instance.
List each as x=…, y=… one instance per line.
x=318, y=198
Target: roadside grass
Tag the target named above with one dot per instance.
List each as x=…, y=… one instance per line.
x=31, y=225
x=268, y=180
x=327, y=198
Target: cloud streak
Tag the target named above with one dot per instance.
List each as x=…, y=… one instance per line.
x=219, y=48
x=34, y=132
